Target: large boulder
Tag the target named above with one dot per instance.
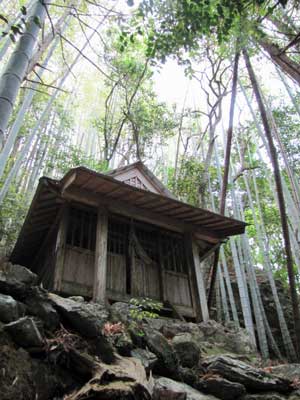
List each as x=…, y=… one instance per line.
x=124, y=380
x=231, y=339
x=265, y=396
x=89, y=320
x=25, y=333
x=25, y=378
x=9, y=309
x=186, y=349
x=123, y=343
x=39, y=305
x=220, y=387
x=14, y=279
x=292, y=371
x=295, y=395
x=255, y=380
x=120, y=311
x=170, y=328
x=167, y=389
x=147, y=358
x=167, y=360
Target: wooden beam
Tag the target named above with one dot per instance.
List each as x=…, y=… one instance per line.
x=200, y=282
x=196, y=278
x=48, y=236
x=60, y=248
x=181, y=214
x=100, y=273
x=192, y=276
x=161, y=266
x=68, y=182
x=122, y=208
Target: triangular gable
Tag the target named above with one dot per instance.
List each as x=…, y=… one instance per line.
x=138, y=175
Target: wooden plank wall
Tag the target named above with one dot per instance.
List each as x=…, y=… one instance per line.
x=178, y=288
x=78, y=269
x=116, y=273
x=46, y=263
x=145, y=280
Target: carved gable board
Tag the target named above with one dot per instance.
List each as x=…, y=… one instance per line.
x=135, y=177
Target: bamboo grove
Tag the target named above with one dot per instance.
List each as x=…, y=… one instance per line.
x=78, y=87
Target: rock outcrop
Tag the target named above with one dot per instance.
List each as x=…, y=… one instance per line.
x=67, y=348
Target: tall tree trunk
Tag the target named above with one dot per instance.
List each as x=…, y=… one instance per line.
x=16, y=68
x=280, y=58
x=45, y=112
x=59, y=26
x=226, y=171
x=17, y=124
x=284, y=223
x=241, y=282
x=222, y=253
x=289, y=91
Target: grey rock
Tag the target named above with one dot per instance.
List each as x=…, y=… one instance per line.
x=211, y=329
x=190, y=376
x=25, y=332
x=221, y=387
x=290, y=371
x=79, y=299
x=171, y=328
x=232, y=339
x=265, y=396
x=253, y=379
x=14, y=279
x=87, y=318
x=239, y=341
x=9, y=310
x=168, y=363
x=186, y=349
x=39, y=305
x=147, y=358
x=167, y=389
x=123, y=343
x=120, y=312
x=295, y=395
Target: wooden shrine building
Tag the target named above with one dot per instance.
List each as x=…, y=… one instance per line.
x=120, y=235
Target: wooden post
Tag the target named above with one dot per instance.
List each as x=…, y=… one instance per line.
x=198, y=291
x=161, y=266
x=200, y=282
x=99, y=290
x=60, y=248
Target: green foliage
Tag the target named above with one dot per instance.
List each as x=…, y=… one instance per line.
x=140, y=309
x=12, y=214
x=189, y=181
x=176, y=27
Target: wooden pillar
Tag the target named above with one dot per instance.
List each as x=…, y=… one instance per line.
x=60, y=248
x=198, y=290
x=100, y=273
x=200, y=282
x=161, y=266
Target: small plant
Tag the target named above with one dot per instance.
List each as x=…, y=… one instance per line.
x=113, y=329
x=141, y=309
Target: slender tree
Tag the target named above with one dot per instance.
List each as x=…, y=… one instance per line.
x=281, y=201
x=17, y=65
x=226, y=169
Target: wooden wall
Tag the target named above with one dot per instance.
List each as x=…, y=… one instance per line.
x=78, y=271
x=143, y=279
x=45, y=263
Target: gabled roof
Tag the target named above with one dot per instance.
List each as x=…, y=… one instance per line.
x=89, y=187
x=139, y=169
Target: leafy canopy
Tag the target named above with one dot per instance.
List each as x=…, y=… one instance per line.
x=173, y=27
